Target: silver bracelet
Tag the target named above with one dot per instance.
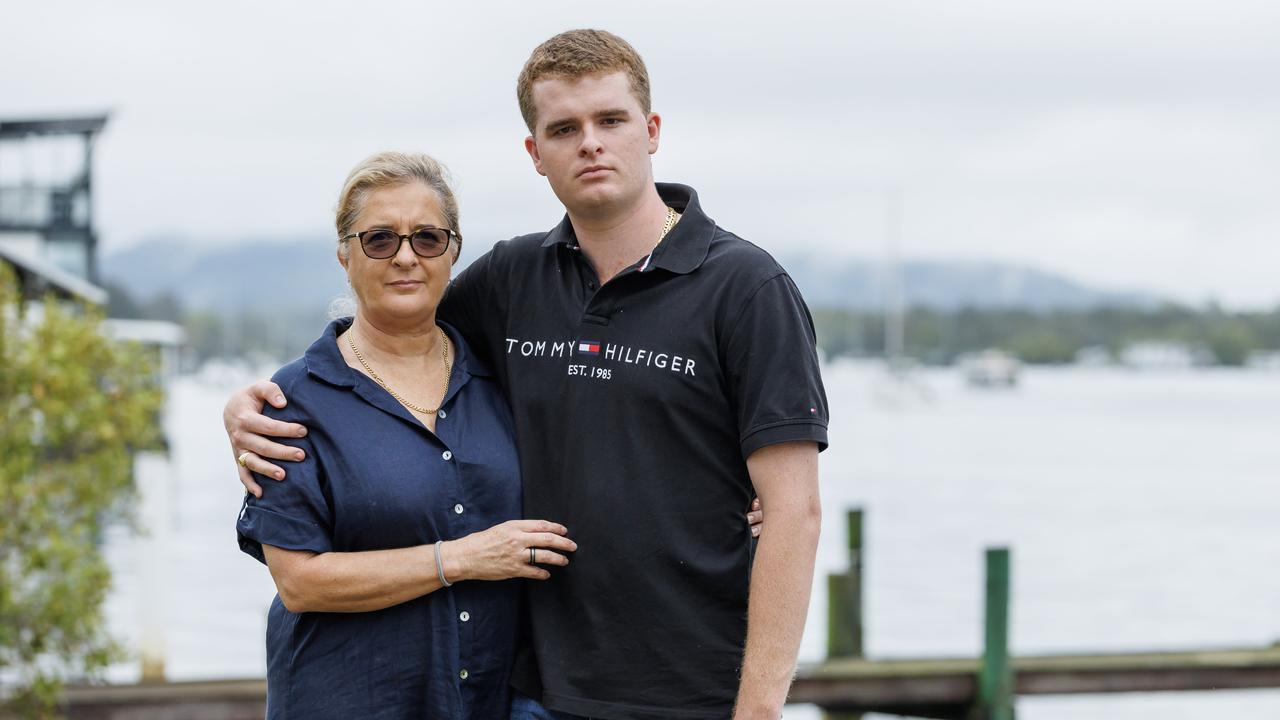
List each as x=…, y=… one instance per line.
x=440, y=566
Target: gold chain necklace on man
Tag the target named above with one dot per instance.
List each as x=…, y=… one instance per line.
x=448, y=373
x=672, y=215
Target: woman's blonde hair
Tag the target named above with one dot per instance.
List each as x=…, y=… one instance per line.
x=388, y=169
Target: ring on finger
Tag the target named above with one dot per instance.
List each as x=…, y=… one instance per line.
x=533, y=556
x=242, y=457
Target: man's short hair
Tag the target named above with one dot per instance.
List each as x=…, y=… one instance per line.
x=574, y=54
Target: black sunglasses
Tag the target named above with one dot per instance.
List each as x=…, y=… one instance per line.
x=427, y=242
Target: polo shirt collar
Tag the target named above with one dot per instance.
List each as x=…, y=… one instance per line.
x=683, y=249
x=324, y=360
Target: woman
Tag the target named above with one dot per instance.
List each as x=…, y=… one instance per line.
x=395, y=544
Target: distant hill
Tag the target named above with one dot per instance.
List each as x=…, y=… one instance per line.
x=950, y=285
x=231, y=279
x=302, y=276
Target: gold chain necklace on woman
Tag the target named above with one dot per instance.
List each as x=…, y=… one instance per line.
x=448, y=373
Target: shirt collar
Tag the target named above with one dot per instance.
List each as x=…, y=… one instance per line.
x=683, y=249
x=324, y=360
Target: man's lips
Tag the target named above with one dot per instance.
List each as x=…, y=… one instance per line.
x=593, y=170
x=405, y=283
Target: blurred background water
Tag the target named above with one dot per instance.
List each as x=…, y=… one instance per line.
x=1141, y=508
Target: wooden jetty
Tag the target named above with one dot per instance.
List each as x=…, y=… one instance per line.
x=949, y=688
x=200, y=700
x=847, y=684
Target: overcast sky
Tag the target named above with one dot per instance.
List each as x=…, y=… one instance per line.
x=1126, y=144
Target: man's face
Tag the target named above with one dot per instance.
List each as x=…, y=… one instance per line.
x=592, y=141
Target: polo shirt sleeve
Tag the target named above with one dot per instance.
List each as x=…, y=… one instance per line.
x=471, y=303
x=294, y=513
x=771, y=362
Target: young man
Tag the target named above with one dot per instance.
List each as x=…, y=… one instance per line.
x=661, y=371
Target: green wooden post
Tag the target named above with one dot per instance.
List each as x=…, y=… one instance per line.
x=844, y=605
x=995, y=678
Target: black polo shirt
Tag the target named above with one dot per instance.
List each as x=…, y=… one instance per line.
x=636, y=405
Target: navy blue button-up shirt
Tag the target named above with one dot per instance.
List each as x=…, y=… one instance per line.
x=375, y=478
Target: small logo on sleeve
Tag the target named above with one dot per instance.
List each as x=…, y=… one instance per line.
x=588, y=347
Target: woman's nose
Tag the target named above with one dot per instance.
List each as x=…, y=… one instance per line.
x=405, y=256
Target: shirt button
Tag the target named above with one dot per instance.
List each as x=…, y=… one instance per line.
x=464, y=616
x=446, y=455
x=463, y=673
x=458, y=508
x=442, y=414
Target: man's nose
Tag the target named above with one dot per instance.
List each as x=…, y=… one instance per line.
x=590, y=142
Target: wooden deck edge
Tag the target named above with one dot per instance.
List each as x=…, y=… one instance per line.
x=1261, y=658
x=875, y=685
x=250, y=689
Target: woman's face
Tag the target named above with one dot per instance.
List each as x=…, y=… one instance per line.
x=404, y=289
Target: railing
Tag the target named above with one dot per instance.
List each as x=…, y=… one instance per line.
x=847, y=684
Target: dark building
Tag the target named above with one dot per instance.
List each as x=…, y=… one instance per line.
x=46, y=204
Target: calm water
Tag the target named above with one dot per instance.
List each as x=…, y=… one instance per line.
x=1141, y=509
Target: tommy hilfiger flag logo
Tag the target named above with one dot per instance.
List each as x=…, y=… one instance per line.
x=588, y=347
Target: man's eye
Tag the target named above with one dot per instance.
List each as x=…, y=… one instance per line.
x=564, y=130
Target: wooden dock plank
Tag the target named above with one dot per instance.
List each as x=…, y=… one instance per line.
x=242, y=699
x=948, y=686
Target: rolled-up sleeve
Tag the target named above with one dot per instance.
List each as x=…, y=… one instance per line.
x=294, y=514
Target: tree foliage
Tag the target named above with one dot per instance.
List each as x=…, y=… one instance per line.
x=76, y=407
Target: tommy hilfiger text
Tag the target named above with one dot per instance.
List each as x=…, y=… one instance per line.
x=586, y=348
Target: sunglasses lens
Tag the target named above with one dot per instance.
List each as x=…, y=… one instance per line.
x=380, y=244
x=429, y=242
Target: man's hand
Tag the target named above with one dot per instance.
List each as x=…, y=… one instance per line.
x=248, y=430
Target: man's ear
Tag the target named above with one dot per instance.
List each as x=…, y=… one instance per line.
x=344, y=259
x=531, y=147
x=655, y=130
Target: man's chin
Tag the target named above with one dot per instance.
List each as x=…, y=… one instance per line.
x=592, y=199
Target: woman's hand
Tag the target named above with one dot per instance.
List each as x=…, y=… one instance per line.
x=755, y=518
x=248, y=430
x=502, y=551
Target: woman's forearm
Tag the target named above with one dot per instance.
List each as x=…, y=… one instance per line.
x=377, y=579
x=354, y=581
